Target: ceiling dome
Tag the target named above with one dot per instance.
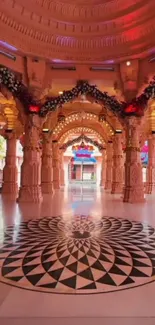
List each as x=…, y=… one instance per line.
x=81, y=30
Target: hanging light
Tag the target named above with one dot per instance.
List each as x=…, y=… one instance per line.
x=61, y=116
x=102, y=116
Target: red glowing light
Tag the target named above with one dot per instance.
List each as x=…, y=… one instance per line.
x=34, y=109
x=130, y=109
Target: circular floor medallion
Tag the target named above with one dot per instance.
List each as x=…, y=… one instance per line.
x=78, y=255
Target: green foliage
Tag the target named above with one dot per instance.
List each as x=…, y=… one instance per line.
x=2, y=147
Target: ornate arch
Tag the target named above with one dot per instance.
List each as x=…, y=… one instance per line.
x=79, y=139
x=81, y=130
x=86, y=120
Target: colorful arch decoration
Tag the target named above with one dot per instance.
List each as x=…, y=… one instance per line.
x=33, y=106
x=82, y=138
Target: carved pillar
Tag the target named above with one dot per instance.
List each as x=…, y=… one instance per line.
x=47, y=165
x=10, y=171
x=117, y=172
x=150, y=173
x=103, y=168
x=62, y=172
x=56, y=165
x=109, y=163
x=134, y=188
x=30, y=190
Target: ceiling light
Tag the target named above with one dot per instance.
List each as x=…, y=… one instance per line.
x=128, y=63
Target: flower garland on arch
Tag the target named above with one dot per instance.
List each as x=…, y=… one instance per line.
x=135, y=107
x=80, y=138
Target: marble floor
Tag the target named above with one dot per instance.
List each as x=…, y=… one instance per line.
x=80, y=257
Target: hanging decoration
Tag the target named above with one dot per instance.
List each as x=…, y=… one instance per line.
x=82, y=138
x=135, y=107
x=18, y=90
x=61, y=117
x=102, y=116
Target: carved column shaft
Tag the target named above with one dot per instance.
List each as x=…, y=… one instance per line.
x=10, y=171
x=56, y=166
x=103, y=168
x=30, y=190
x=62, y=173
x=47, y=165
x=117, y=172
x=134, y=188
x=150, y=173
x=109, y=163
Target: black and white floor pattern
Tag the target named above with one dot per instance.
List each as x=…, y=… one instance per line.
x=79, y=255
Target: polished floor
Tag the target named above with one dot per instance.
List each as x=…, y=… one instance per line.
x=81, y=257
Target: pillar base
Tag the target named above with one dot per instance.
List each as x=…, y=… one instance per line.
x=107, y=186
x=150, y=188
x=56, y=185
x=10, y=189
x=30, y=194
x=47, y=188
x=117, y=188
x=132, y=195
x=102, y=183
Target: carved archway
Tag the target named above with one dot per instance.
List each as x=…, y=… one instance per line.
x=87, y=120
x=81, y=138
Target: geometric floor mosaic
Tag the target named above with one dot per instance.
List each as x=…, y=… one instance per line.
x=77, y=256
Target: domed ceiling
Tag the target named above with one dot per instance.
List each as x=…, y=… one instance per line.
x=81, y=30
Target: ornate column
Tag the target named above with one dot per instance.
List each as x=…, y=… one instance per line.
x=10, y=171
x=117, y=172
x=30, y=190
x=56, y=165
x=150, y=173
x=134, y=188
x=62, y=173
x=47, y=165
x=103, y=168
x=109, y=163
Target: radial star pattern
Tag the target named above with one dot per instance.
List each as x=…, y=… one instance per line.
x=79, y=255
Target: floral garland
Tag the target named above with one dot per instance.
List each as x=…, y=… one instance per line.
x=17, y=88
x=80, y=138
x=136, y=107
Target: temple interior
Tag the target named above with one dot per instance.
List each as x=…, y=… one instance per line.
x=77, y=162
